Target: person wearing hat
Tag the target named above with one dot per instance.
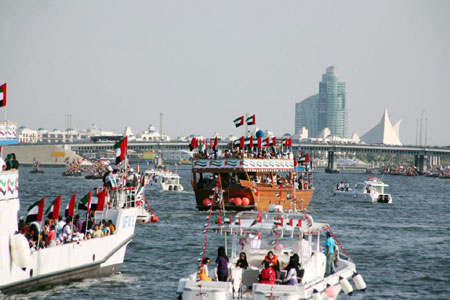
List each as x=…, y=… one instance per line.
x=330, y=243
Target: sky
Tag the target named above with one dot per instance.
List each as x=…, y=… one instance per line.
x=203, y=63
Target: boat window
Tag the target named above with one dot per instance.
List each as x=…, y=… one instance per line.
x=359, y=186
x=378, y=189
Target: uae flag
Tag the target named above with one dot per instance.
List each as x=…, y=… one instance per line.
x=53, y=211
x=258, y=219
x=35, y=211
x=251, y=120
x=121, y=149
x=3, y=95
x=98, y=203
x=85, y=202
x=70, y=208
x=239, y=121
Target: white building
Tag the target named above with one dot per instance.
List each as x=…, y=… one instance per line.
x=383, y=132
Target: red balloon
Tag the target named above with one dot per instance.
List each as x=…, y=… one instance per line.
x=331, y=291
x=245, y=201
x=231, y=200
x=237, y=201
x=206, y=202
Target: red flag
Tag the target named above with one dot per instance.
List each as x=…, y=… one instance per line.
x=241, y=140
x=193, y=143
x=259, y=142
x=53, y=211
x=89, y=202
x=267, y=142
x=212, y=143
x=258, y=219
x=306, y=158
x=274, y=141
x=3, y=95
x=251, y=120
x=295, y=162
x=35, y=211
x=70, y=208
x=216, y=142
x=101, y=200
x=251, y=142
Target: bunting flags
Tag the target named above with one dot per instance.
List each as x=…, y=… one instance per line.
x=53, y=211
x=70, y=208
x=121, y=148
x=85, y=202
x=288, y=142
x=35, y=211
x=250, y=120
x=239, y=121
x=3, y=95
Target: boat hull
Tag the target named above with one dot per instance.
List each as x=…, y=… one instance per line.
x=261, y=197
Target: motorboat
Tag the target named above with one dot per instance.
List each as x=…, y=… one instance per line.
x=285, y=234
x=163, y=180
x=145, y=213
x=371, y=189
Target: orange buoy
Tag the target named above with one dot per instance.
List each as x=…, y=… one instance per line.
x=231, y=200
x=154, y=219
x=237, y=201
x=206, y=202
x=245, y=201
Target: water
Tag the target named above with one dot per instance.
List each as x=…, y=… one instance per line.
x=402, y=250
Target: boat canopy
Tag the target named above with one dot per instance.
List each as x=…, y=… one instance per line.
x=249, y=165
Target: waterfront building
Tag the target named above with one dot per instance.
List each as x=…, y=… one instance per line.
x=332, y=109
x=306, y=115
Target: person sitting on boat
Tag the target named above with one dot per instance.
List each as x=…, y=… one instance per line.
x=292, y=270
x=221, y=270
x=242, y=262
x=347, y=186
x=203, y=271
x=111, y=226
x=273, y=260
x=97, y=232
x=268, y=275
x=330, y=243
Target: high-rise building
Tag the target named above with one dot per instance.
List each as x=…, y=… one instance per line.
x=324, y=110
x=332, y=109
x=306, y=115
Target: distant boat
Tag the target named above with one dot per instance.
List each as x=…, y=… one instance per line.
x=163, y=180
x=371, y=189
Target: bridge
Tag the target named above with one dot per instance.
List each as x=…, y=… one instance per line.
x=420, y=153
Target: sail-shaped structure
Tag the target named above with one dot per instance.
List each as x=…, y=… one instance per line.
x=383, y=132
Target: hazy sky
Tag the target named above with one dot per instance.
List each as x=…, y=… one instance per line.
x=204, y=63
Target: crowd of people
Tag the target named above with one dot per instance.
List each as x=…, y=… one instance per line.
x=62, y=231
x=270, y=272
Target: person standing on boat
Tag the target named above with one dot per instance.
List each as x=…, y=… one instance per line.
x=329, y=253
x=221, y=270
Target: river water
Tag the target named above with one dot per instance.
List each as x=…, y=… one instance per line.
x=402, y=250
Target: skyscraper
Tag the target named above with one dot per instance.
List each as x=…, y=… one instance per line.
x=332, y=109
x=324, y=110
x=306, y=115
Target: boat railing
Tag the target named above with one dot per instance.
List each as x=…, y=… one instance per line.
x=124, y=197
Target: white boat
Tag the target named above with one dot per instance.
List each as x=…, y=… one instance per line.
x=371, y=189
x=163, y=180
x=285, y=234
x=22, y=269
x=144, y=212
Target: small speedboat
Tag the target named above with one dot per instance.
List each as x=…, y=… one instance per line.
x=163, y=180
x=371, y=189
